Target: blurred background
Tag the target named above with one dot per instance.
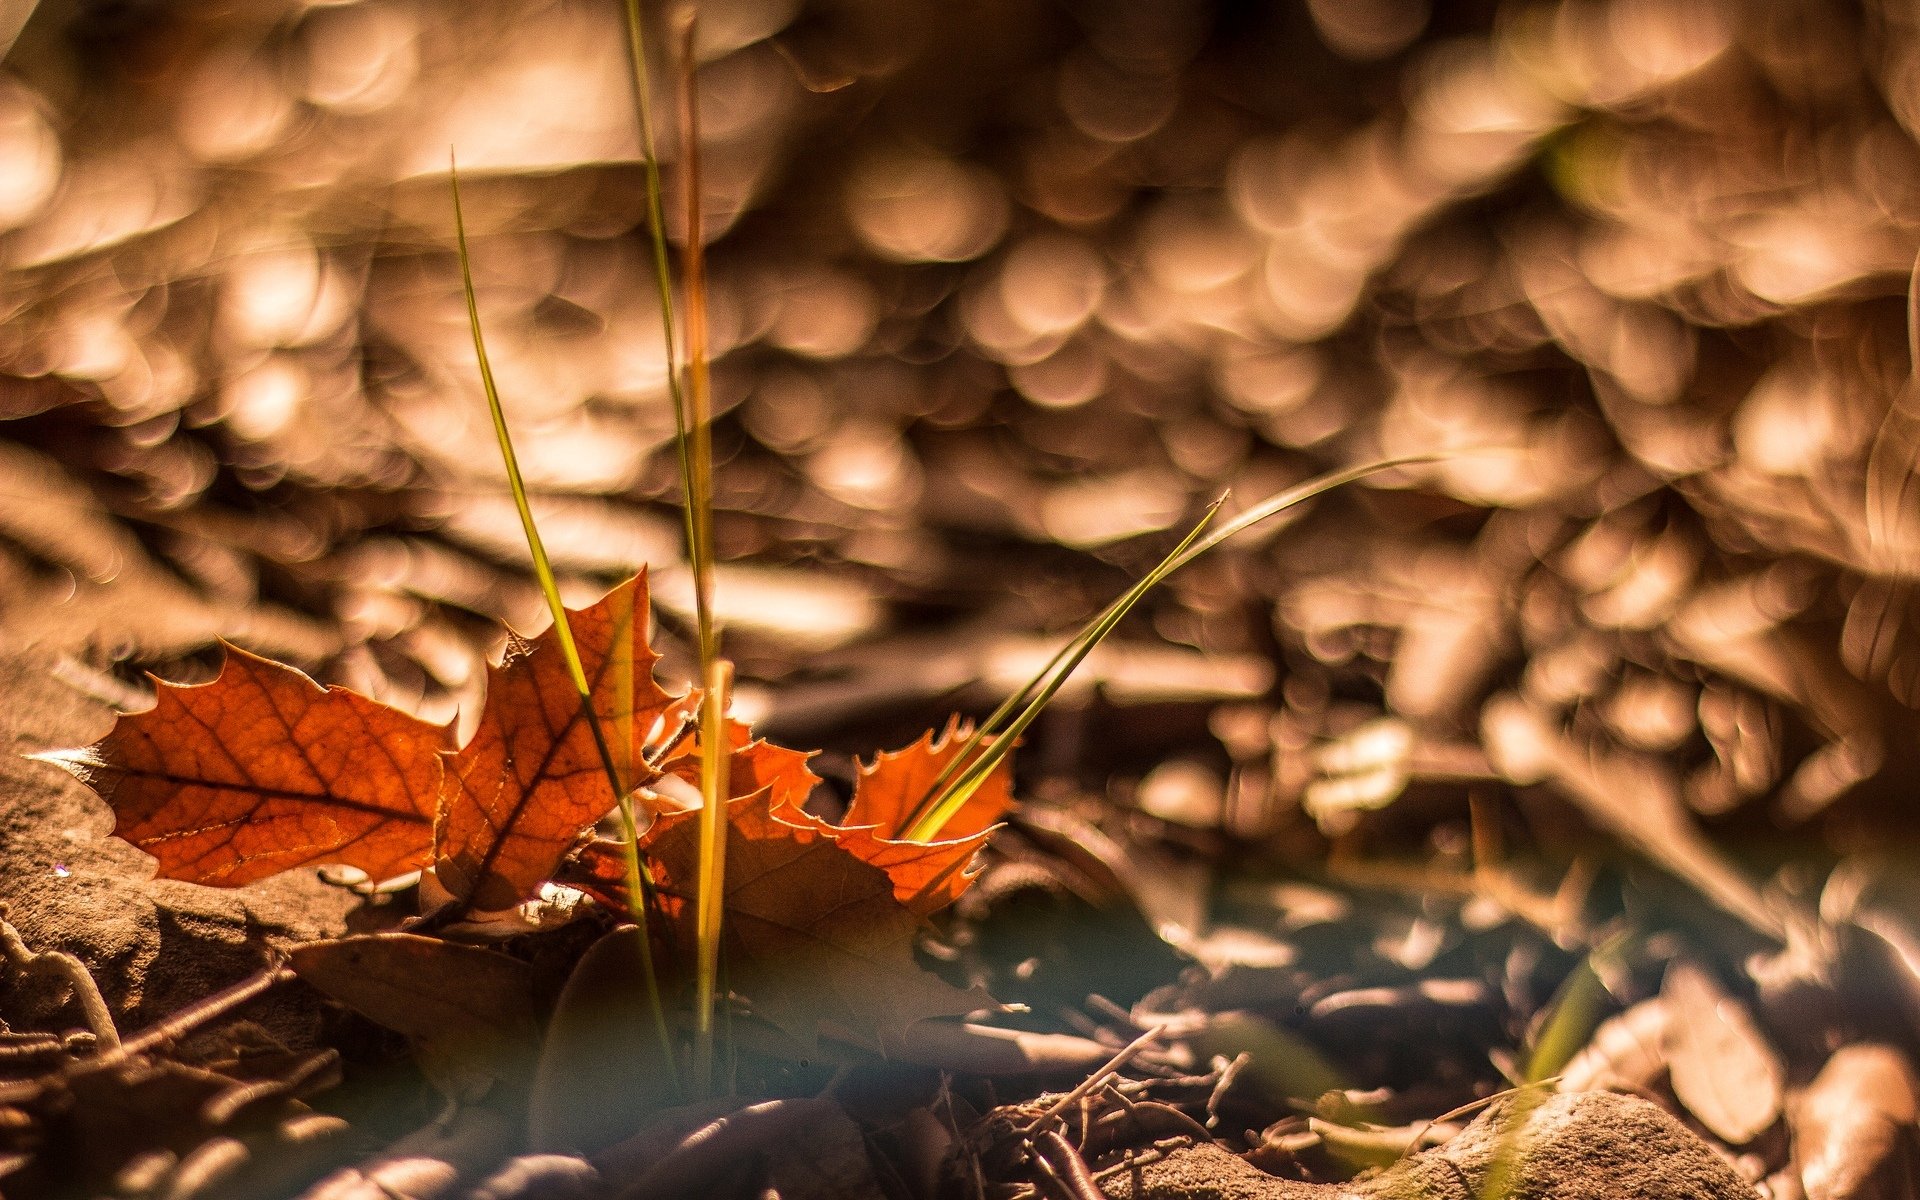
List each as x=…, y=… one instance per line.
x=1004, y=293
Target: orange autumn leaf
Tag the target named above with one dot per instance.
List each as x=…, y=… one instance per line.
x=532, y=779
x=813, y=935
x=751, y=764
x=888, y=792
x=263, y=770
x=926, y=876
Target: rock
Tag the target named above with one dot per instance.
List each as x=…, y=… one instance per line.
x=1586, y=1146
x=152, y=945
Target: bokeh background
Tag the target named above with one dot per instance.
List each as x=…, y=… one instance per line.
x=1003, y=294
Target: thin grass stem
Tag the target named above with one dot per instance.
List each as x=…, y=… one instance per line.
x=710, y=895
x=715, y=673
x=662, y=270
x=954, y=795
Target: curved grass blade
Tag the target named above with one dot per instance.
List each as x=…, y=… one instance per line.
x=950, y=791
x=1572, y=1016
x=550, y=588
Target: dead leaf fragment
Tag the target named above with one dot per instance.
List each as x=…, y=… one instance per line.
x=469, y=1010
x=1854, y=1125
x=1723, y=1068
x=263, y=770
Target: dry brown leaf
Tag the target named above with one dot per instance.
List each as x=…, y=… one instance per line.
x=1853, y=1128
x=420, y=986
x=813, y=935
x=1625, y=1052
x=263, y=770
x=600, y=1065
x=1723, y=1068
x=469, y=1010
x=520, y=793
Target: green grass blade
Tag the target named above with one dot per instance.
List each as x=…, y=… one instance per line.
x=1574, y=1012
x=957, y=792
x=662, y=270
x=953, y=793
x=637, y=890
x=968, y=769
x=542, y=566
x=1572, y=1016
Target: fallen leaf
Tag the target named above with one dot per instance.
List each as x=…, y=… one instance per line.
x=887, y=791
x=751, y=764
x=600, y=1063
x=263, y=770
x=1854, y=1125
x=470, y=1011
x=521, y=792
x=1723, y=1068
x=927, y=876
x=420, y=986
x=1626, y=1052
x=813, y=934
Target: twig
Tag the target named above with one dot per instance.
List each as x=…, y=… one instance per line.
x=1069, y=1169
x=1471, y=1105
x=93, y=1006
x=1228, y=1074
x=201, y=1011
x=1094, y=1081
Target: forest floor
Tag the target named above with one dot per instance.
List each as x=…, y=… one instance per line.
x=1534, y=822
